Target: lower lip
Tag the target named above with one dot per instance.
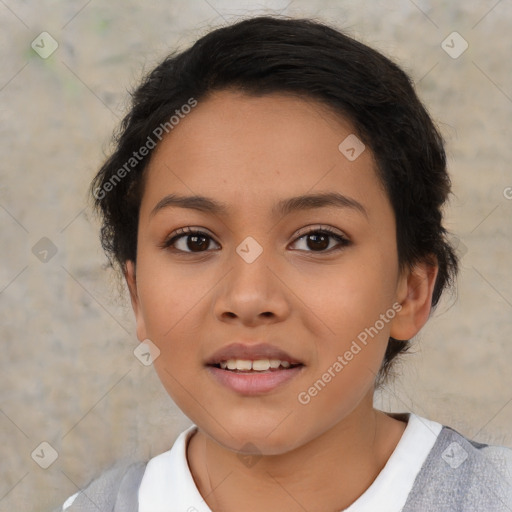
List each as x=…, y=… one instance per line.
x=254, y=383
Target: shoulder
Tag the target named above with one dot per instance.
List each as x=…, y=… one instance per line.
x=494, y=458
x=117, y=488
x=461, y=474
x=114, y=490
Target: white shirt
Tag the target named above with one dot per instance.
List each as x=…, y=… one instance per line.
x=168, y=486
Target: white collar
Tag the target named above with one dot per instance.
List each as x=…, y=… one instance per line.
x=168, y=485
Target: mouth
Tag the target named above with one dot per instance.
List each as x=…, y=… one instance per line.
x=251, y=370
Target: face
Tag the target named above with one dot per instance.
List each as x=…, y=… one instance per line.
x=263, y=270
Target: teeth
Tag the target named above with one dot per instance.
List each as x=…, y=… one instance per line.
x=260, y=365
x=243, y=364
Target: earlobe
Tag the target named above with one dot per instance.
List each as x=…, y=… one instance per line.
x=131, y=281
x=414, y=293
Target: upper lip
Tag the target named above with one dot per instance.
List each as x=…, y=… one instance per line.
x=251, y=353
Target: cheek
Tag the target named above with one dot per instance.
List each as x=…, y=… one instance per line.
x=350, y=303
x=168, y=297
x=172, y=302
x=348, y=298
x=169, y=318
x=349, y=355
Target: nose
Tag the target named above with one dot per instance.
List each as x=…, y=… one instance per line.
x=251, y=293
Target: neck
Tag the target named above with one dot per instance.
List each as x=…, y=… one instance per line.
x=328, y=473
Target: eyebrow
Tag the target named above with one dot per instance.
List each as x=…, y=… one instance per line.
x=282, y=207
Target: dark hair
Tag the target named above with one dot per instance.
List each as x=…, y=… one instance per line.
x=265, y=54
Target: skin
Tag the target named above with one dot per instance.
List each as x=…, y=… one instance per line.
x=250, y=152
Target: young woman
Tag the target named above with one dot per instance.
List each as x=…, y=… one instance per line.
x=274, y=203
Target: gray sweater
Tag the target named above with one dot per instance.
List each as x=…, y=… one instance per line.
x=459, y=475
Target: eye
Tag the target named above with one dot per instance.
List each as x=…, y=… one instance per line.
x=318, y=240
x=195, y=240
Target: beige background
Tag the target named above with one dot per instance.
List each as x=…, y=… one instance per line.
x=68, y=373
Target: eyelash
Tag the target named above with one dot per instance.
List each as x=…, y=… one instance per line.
x=187, y=231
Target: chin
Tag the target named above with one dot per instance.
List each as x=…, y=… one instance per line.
x=255, y=438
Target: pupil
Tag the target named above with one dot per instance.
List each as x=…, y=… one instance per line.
x=193, y=245
x=324, y=243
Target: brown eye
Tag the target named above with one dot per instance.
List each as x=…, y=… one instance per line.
x=198, y=242
x=188, y=241
x=318, y=240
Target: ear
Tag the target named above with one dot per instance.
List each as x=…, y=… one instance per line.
x=131, y=281
x=414, y=293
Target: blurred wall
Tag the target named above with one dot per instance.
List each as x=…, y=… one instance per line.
x=69, y=376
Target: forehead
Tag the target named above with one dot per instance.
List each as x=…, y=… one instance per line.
x=254, y=149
